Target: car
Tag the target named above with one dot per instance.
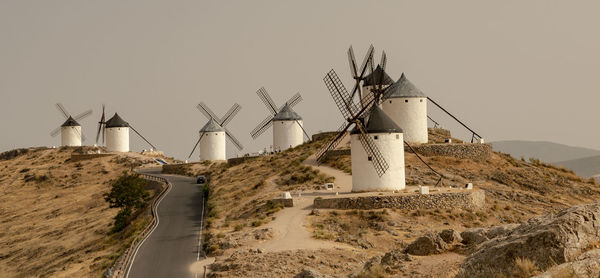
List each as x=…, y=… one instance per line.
x=201, y=180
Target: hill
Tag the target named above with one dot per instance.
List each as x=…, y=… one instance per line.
x=585, y=167
x=545, y=151
x=55, y=222
x=241, y=216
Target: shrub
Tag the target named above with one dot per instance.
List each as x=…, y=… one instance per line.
x=524, y=268
x=128, y=192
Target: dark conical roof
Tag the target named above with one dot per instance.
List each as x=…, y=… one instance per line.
x=373, y=78
x=286, y=114
x=379, y=122
x=212, y=126
x=116, y=121
x=71, y=122
x=403, y=88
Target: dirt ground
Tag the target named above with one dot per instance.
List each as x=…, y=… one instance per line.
x=55, y=221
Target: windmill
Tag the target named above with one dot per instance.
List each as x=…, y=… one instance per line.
x=70, y=130
x=214, y=133
x=116, y=132
x=373, y=131
x=288, y=130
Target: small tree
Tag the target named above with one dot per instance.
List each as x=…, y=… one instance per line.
x=128, y=192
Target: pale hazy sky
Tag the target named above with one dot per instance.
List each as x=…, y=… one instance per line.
x=510, y=69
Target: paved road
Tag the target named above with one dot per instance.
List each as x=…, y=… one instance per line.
x=172, y=249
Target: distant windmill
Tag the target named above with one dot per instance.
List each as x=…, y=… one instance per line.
x=375, y=139
x=287, y=125
x=214, y=133
x=70, y=130
x=116, y=132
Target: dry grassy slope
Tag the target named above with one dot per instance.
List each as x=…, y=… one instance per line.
x=54, y=218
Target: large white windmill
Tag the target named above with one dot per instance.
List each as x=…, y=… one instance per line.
x=70, y=131
x=116, y=132
x=212, y=134
x=288, y=130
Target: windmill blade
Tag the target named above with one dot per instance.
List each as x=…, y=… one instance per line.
x=267, y=100
x=100, y=126
x=295, y=99
x=141, y=137
x=372, y=151
x=55, y=132
x=262, y=127
x=62, y=110
x=363, y=69
x=83, y=115
x=383, y=60
x=341, y=97
x=334, y=142
x=202, y=135
x=303, y=130
x=207, y=112
x=230, y=114
x=233, y=140
x=352, y=62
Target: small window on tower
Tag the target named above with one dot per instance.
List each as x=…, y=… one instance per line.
x=421, y=100
x=370, y=158
x=390, y=101
x=397, y=136
x=216, y=133
x=406, y=100
x=375, y=137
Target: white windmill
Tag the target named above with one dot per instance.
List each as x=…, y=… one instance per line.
x=116, y=133
x=70, y=131
x=288, y=130
x=213, y=133
x=407, y=106
x=376, y=142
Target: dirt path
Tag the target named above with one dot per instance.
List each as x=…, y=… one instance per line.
x=290, y=228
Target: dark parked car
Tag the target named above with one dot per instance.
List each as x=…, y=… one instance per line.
x=201, y=180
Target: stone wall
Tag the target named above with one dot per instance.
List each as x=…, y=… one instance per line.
x=322, y=135
x=286, y=203
x=461, y=151
x=471, y=199
x=339, y=152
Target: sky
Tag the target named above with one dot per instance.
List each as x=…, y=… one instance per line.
x=522, y=70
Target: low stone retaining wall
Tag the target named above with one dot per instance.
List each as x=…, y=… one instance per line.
x=79, y=157
x=461, y=151
x=471, y=199
x=286, y=203
x=341, y=152
x=322, y=135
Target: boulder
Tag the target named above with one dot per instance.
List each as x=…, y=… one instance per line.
x=545, y=241
x=473, y=237
x=586, y=265
x=450, y=236
x=503, y=230
x=310, y=273
x=428, y=244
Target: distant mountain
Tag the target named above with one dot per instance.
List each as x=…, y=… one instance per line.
x=585, y=167
x=545, y=151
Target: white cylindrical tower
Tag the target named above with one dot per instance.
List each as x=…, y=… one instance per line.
x=70, y=133
x=212, y=142
x=117, y=134
x=407, y=106
x=287, y=129
x=371, y=80
x=388, y=138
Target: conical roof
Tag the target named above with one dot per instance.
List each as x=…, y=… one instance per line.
x=403, y=88
x=71, y=122
x=379, y=122
x=116, y=121
x=375, y=76
x=212, y=126
x=287, y=114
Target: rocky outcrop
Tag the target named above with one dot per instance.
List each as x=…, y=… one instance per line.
x=586, y=265
x=545, y=241
x=473, y=237
x=428, y=244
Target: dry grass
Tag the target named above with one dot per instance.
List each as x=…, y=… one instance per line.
x=524, y=268
x=55, y=221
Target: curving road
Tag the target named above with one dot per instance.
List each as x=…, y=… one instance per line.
x=173, y=247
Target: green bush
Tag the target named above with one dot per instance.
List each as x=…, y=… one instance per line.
x=128, y=192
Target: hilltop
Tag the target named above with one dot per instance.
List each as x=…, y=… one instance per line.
x=244, y=227
x=55, y=221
